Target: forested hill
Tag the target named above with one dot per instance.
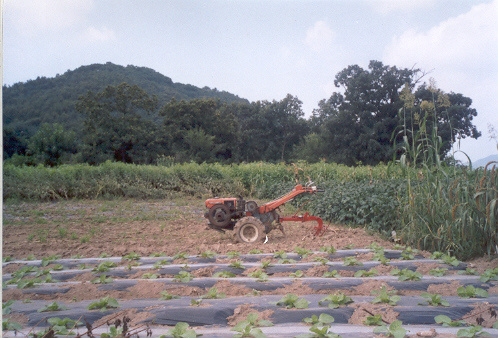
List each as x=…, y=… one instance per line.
x=26, y=105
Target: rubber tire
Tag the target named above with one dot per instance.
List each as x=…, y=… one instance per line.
x=252, y=207
x=216, y=221
x=249, y=230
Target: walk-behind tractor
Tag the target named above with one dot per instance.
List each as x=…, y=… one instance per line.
x=251, y=222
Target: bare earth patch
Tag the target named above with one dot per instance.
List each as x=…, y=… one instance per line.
x=240, y=313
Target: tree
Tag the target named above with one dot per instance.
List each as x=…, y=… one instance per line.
x=119, y=125
x=51, y=144
x=358, y=125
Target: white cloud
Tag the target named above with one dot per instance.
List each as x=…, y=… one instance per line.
x=31, y=16
x=93, y=34
x=320, y=36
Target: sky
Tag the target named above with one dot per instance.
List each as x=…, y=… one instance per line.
x=266, y=49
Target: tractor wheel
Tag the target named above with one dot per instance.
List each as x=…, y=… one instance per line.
x=252, y=206
x=249, y=230
x=219, y=215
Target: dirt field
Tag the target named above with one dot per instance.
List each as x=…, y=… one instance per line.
x=74, y=233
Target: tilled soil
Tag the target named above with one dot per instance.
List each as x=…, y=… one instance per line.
x=220, y=284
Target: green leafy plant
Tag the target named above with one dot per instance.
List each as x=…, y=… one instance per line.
x=260, y=275
x=104, y=255
x=321, y=260
x=266, y=264
x=286, y=261
x=23, y=284
x=159, y=264
x=319, y=332
x=114, y=332
x=471, y=331
x=302, y=252
x=384, y=296
x=438, y=272
x=8, y=325
x=292, y=301
x=52, y=307
x=447, y=322
x=322, y=320
x=224, y=274
x=331, y=274
x=394, y=330
x=58, y=267
x=406, y=274
x=183, y=277
x=63, y=326
x=255, y=252
x=364, y=273
x=213, y=294
x=181, y=330
x=437, y=255
x=208, y=254
x=468, y=271
x=104, y=266
x=196, y=302
x=280, y=254
x=103, y=304
x=6, y=307
x=489, y=274
x=297, y=274
x=379, y=256
x=102, y=279
x=237, y=265
x=249, y=327
x=470, y=291
x=132, y=256
x=157, y=254
x=350, y=261
x=433, y=299
x=336, y=300
x=180, y=255
x=450, y=260
x=232, y=254
x=149, y=275
x=165, y=295
x=328, y=249
x=375, y=320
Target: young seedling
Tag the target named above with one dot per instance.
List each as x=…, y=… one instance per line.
x=384, y=296
x=237, y=265
x=255, y=251
x=208, y=254
x=468, y=271
x=375, y=320
x=6, y=307
x=266, y=264
x=165, y=295
x=322, y=320
x=103, y=279
x=472, y=331
x=181, y=330
x=232, y=254
x=280, y=254
x=132, y=256
x=248, y=327
x=183, y=277
x=52, y=307
x=364, y=273
x=159, y=264
x=213, y=294
x=406, y=274
x=438, y=272
x=292, y=301
x=149, y=275
x=104, y=266
x=104, y=255
x=103, y=304
x=447, y=322
x=63, y=326
x=433, y=299
x=224, y=274
x=336, y=300
x=297, y=274
x=328, y=249
x=350, y=261
x=450, y=260
x=394, y=330
x=317, y=332
x=489, y=274
x=286, y=261
x=379, y=256
x=260, y=275
x=302, y=252
x=7, y=325
x=196, y=302
x=58, y=267
x=470, y=291
x=180, y=255
x=331, y=274
x=321, y=260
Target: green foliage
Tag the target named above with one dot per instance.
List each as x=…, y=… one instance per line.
x=323, y=319
x=438, y=272
x=328, y=249
x=51, y=145
x=213, y=294
x=208, y=254
x=113, y=332
x=63, y=326
x=6, y=307
x=8, y=325
x=302, y=252
x=350, y=261
x=331, y=274
x=181, y=330
x=102, y=279
x=103, y=304
x=260, y=275
x=132, y=256
x=406, y=274
x=472, y=331
x=364, y=273
x=394, y=330
x=319, y=332
x=470, y=291
x=292, y=301
x=224, y=274
x=183, y=277
x=489, y=274
x=180, y=255
x=165, y=295
x=104, y=266
x=450, y=260
x=434, y=299
x=248, y=327
x=233, y=254
x=52, y=307
x=375, y=320
x=237, y=265
x=384, y=296
x=297, y=274
x=336, y=300
x=149, y=275
x=447, y=322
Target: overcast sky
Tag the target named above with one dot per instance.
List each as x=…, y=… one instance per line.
x=264, y=49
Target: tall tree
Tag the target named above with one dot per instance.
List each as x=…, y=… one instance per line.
x=51, y=144
x=358, y=125
x=118, y=125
